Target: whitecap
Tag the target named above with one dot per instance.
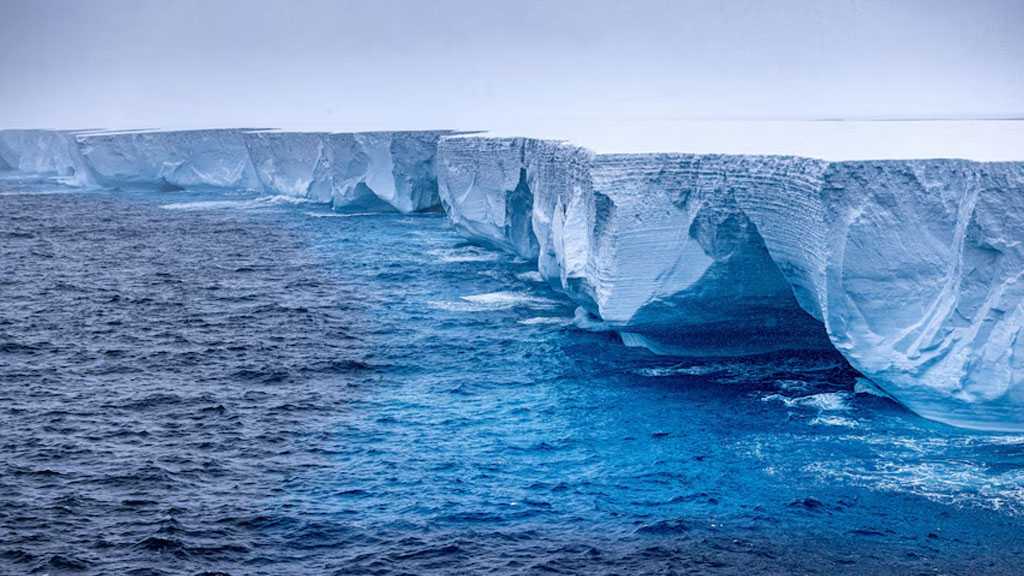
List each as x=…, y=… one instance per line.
x=823, y=420
x=865, y=386
x=586, y=321
x=953, y=481
x=494, y=301
x=466, y=254
x=680, y=370
x=340, y=214
x=825, y=402
x=532, y=276
x=504, y=299
x=250, y=204
x=546, y=321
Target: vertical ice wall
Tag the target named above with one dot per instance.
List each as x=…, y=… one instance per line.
x=352, y=171
x=290, y=163
x=679, y=267
x=506, y=192
x=170, y=160
x=915, y=268
x=654, y=245
x=484, y=190
x=43, y=152
x=911, y=269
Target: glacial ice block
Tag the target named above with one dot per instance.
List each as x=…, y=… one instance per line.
x=173, y=159
x=915, y=267
x=45, y=153
x=352, y=171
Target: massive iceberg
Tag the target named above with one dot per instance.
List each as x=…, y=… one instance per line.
x=350, y=170
x=911, y=269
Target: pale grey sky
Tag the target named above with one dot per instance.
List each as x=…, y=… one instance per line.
x=480, y=63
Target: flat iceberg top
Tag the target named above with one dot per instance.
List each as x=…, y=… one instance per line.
x=833, y=140
x=263, y=130
x=980, y=140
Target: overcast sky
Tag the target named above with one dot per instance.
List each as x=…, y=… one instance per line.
x=472, y=63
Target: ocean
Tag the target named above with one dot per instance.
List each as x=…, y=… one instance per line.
x=229, y=383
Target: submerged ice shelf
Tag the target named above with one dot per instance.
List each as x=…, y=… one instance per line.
x=909, y=268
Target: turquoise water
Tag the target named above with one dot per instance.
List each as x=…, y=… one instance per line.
x=197, y=383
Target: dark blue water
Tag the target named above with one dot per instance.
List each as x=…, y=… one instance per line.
x=200, y=384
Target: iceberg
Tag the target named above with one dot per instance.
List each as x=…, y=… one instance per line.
x=351, y=171
x=910, y=269
x=170, y=160
x=44, y=153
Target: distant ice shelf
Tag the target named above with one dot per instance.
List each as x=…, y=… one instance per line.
x=912, y=269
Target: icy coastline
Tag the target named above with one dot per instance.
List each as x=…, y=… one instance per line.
x=909, y=268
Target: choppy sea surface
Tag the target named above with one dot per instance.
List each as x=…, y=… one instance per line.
x=196, y=383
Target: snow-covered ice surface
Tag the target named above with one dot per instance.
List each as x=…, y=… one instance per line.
x=835, y=140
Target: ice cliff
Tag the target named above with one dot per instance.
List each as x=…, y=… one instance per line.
x=911, y=269
x=44, y=152
x=915, y=268
x=170, y=160
x=352, y=171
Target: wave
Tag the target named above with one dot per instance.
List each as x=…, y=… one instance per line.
x=250, y=204
x=340, y=214
x=952, y=482
x=532, y=276
x=824, y=402
x=464, y=254
x=490, y=301
x=546, y=321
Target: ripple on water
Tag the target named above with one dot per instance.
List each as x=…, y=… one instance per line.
x=238, y=386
